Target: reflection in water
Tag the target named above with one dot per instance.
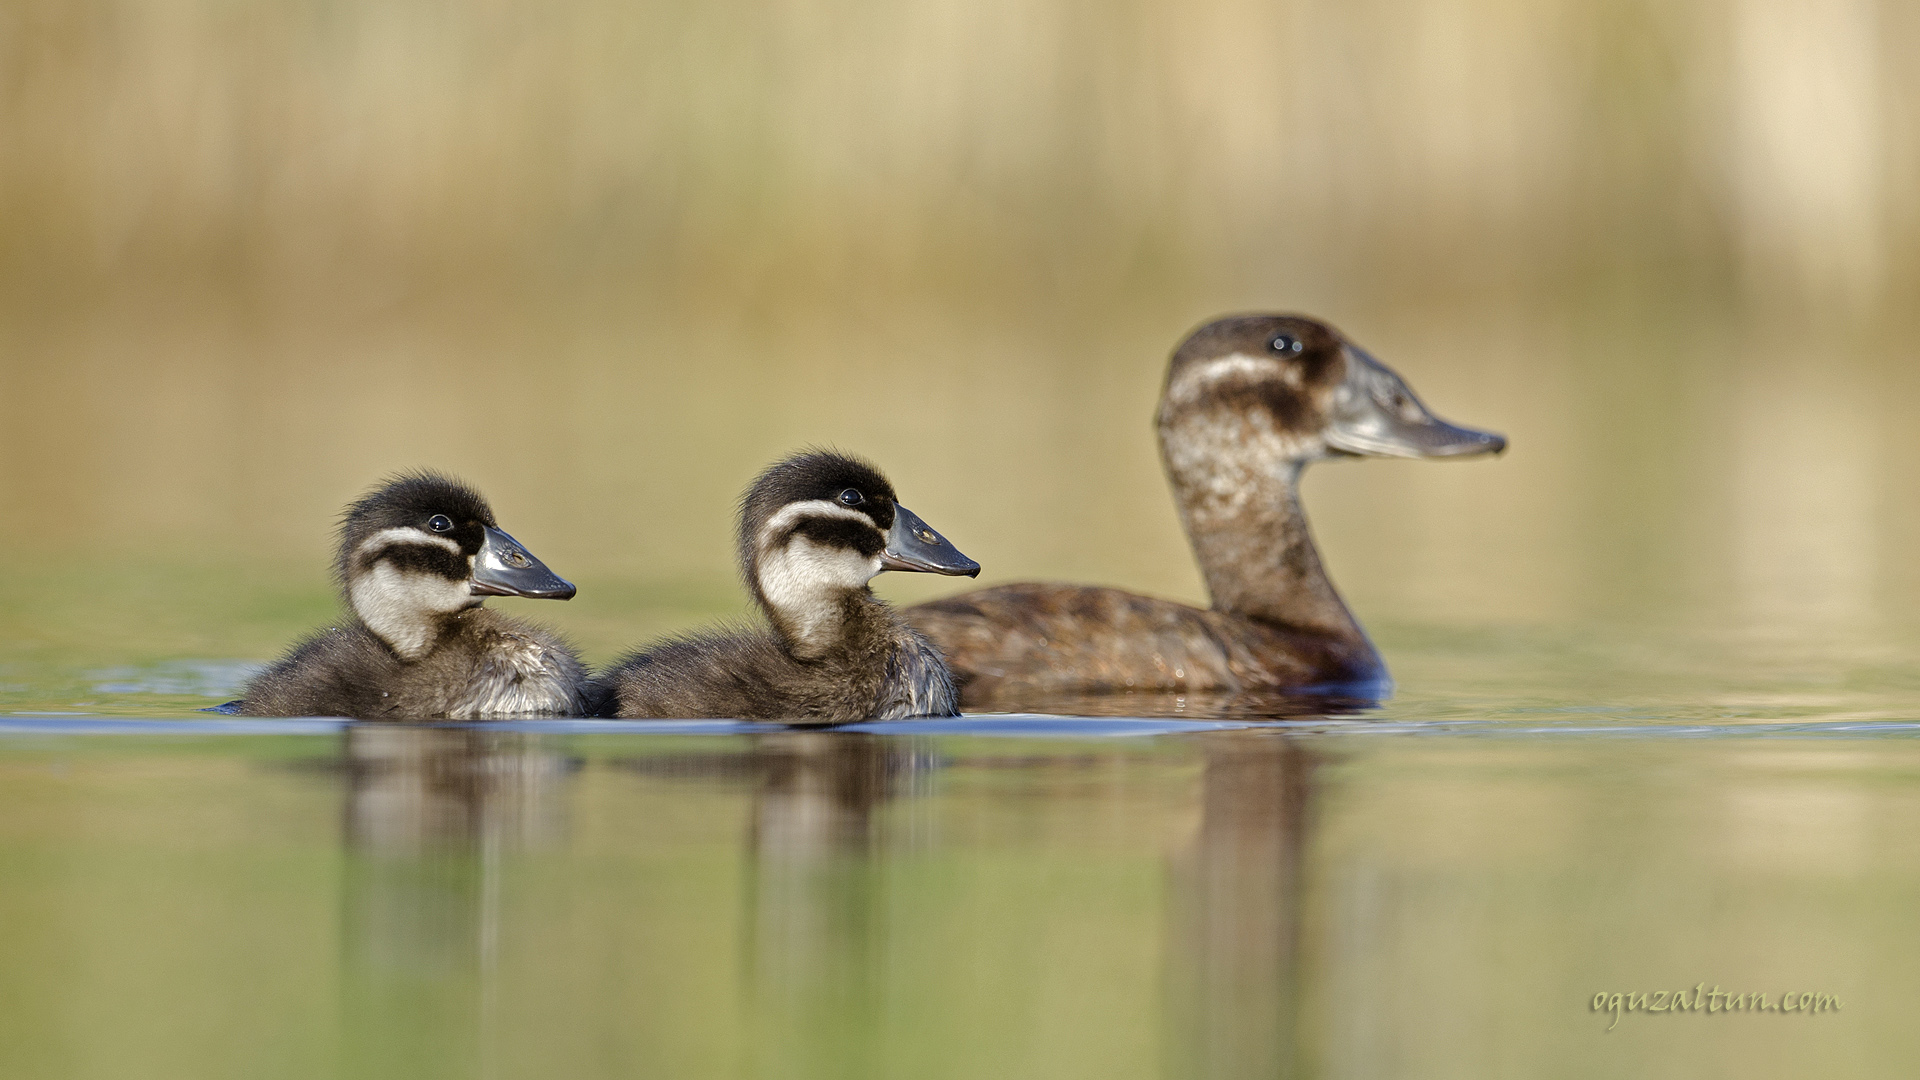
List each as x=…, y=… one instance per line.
x=834, y=817
x=816, y=920
x=416, y=791
x=1234, y=904
x=818, y=899
x=1233, y=953
x=429, y=813
x=819, y=790
x=1247, y=705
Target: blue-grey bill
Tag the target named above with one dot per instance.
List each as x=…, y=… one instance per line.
x=1376, y=414
x=913, y=545
x=504, y=568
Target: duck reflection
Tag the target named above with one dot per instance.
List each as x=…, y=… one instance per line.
x=833, y=819
x=822, y=829
x=1243, y=705
x=818, y=893
x=1235, y=935
x=429, y=813
x=416, y=791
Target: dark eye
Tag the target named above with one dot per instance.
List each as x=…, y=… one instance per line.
x=440, y=523
x=852, y=497
x=1284, y=343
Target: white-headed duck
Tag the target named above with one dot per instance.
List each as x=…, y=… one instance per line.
x=417, y=557
x=815, y=529
x=1249, y=402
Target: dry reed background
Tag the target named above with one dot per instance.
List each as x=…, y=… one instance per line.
x=606, y=259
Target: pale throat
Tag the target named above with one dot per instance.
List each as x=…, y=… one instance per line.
x=406, y=608
x=806, y=587
x=1237, y=482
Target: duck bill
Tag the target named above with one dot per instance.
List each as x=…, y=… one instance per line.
x=504, y=568
x=1376, y=414
x=913, y=545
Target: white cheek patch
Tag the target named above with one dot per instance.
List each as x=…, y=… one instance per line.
x=1220, y=449
x=804, y=582
x=386, y=538
x=792, y=513
x=403, y=607
x=1197, y=380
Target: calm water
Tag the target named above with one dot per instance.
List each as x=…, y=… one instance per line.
x=1436, y=888
x=406, y=902
x=1658, y=720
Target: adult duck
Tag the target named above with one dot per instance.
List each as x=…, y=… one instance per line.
x=1249, y=402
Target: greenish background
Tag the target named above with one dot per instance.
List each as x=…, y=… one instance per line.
x=606, y=260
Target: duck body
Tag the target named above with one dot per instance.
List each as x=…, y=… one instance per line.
x=486, y=666
x=1249, y=402
x=1045, y=639
x=417, y=558
x=890, y=672
x=815, y=529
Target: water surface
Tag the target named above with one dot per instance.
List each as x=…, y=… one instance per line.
x=381, y=900
x=1437, y=887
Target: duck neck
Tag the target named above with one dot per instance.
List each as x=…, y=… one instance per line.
x=410, y=612
x=855, y=621
x=1251, y=539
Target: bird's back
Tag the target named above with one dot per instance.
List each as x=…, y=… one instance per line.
x=1043, y=639
x=487, y=666
x=731, y=674
x=748, y=674
x=339, y=671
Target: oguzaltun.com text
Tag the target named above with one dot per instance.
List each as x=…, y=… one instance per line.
x=1710, y=1001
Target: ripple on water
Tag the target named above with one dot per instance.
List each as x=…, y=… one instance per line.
x=184, y=678
x=993, y=725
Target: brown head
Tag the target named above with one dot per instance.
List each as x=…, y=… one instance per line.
x=1280, y=391
x=1250, y=400
x=816, y=529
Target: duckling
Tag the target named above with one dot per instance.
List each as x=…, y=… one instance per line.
x=815, y=529
x=1249, y=402
x=417, y=557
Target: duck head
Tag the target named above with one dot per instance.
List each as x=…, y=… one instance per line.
x=1286, y=390
x=423, y=547
x=816, y=529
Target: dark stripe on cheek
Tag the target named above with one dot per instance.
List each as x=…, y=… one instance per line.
x=419, y=559
x=840, y=533
x=1292, y=409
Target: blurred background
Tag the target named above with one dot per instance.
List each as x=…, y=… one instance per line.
x=605, y=260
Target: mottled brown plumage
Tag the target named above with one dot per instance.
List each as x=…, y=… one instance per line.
x=881, y=670
x=1248, y=403
x=814, y=531
x=416, y=558
x=1046, y=639
x=484, y=666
